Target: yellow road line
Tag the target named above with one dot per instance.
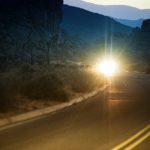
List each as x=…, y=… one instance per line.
x=130, y=147
x=132, y=138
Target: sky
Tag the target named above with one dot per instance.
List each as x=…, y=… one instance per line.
x=142, y=4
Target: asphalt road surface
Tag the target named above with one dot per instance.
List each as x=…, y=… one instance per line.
x=100, y=123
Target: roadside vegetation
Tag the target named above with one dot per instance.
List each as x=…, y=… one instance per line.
x=32, y=87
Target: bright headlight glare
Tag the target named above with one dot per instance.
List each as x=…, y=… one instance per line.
x=108, y=67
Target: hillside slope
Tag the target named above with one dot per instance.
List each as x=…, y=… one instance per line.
x=88, y=25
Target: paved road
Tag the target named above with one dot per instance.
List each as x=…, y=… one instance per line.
x=99, y=123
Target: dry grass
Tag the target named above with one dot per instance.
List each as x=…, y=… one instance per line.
x=31, y=89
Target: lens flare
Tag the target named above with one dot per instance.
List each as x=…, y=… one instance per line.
x=108, y=67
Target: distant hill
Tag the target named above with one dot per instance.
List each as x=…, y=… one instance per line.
x=115, y=11
x=131, y=23
x=88, y=25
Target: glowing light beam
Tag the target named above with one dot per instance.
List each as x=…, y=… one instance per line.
x=108, y=67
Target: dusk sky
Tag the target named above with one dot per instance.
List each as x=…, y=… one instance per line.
x=143, y=4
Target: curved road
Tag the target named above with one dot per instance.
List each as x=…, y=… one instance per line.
x=100, y=123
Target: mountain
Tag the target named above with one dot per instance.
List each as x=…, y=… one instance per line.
x=38, y=32
x=90, y=26
x=115, y=11
x=131, y=23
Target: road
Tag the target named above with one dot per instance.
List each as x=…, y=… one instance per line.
x=100, y=123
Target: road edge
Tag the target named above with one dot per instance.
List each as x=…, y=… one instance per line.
x=4, y=123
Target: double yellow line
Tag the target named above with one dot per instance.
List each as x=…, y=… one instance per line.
x=135, y=140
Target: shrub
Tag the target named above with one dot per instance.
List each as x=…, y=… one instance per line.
x=7, y=95
x=44, y=84
x=45, y=87
x=82, y=81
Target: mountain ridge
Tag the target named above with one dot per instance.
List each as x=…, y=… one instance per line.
x=115, y=11
x=131, y=23
x=80, y=21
